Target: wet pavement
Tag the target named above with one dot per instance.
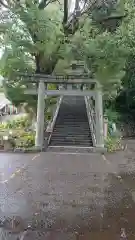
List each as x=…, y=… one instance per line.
x=71, y=196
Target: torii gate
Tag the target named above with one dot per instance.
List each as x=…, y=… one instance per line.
x=92, y=89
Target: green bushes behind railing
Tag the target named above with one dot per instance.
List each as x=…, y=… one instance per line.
x=113, y=143
x=25, y=140
x=113, y=140
x=18, y=133
x=22, y=122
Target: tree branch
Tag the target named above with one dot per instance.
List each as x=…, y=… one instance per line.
x=73, y=23
x=77, y=5
x=65, y=18
x=3, y=4
x=44, y=3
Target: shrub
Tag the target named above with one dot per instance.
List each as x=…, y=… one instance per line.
x=19, y=123
x=113, y=143
x=3, y=126
x=1, y=142
x=112, y=115
x=25, y=140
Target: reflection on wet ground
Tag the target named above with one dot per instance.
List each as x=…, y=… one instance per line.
x=64, y=197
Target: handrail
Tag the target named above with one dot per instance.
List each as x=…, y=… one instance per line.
x=55, y=116
x=91, y=118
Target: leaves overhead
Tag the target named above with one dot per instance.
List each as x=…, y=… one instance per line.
x=41, y=36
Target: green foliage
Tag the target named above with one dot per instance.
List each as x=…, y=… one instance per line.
x=112, y=9
x=20, y=123
x=34, y=40
x=104, y=55
x=125, y=101
x=113, y=144
x=31, y=34
x=112, y=115
x=25, y=140
x=1, y=89
x=19, y=137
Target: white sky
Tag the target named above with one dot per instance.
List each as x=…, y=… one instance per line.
x=72, y=5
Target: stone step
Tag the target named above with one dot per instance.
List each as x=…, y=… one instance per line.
x=71, y=129
x=74, y=113
x=70, y=134
x=74, y=122
x=66, y=139
x=75, y=117
x=70, y=144
x=63, y=141
x=71, y=149
x=71, y=126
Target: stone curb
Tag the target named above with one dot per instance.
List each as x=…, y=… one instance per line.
x=21, y=150
x=77, y=149
x=36, y=150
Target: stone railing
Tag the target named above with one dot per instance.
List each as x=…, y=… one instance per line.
x=91, y=118
x=55, y=114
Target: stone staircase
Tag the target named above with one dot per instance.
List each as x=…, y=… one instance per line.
x=71, y=128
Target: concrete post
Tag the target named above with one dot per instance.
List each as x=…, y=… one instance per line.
x=105, y=127
x=40, y=116
x=99, y=117
x=69, y=87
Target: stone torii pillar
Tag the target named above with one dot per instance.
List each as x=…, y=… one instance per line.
x=99, y=116
x=40, y=116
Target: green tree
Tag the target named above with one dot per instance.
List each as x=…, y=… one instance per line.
x=104, y=55
x=39, y=36
x=126, y=96
x=31, y=39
